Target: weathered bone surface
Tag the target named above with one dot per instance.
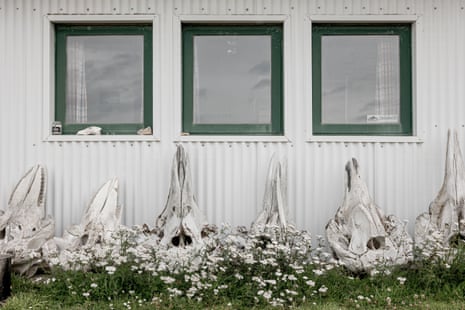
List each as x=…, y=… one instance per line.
x=89, y=131
x=24, y=225
x=360, y=235
x=101, y=218
x=145, y=131
x=275, y=210
x=445, y=222
x=181, y=223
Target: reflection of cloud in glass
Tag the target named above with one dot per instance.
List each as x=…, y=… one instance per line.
x=261, y=68
x=360, y=78
x=114, y=77
x=265, y=83
x=232, y=88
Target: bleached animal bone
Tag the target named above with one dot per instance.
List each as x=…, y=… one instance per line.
x=360, y=235
x=181, y=222
x=101, y=218
x=145, y=131
x=92, y=130
x=26, y=229
x=445, y=222
x=275, y=211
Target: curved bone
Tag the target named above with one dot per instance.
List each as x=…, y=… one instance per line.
x=445, y=220
x=275, y=210
x=181, y=222
x=360, y=235
x=26, y=227
x=101, y=218
x=92, y=130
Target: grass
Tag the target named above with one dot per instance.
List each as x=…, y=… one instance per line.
x=445, y=289
x=257, y=273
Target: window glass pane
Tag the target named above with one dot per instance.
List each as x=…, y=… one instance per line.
x=104, y=79
x=232, y=79
x=360, y=79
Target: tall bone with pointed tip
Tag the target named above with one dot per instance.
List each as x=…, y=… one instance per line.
x=360, y=235
x=445, y=221
x=26, y=228
x=101, y=218
x=181, y=222
x=275, y=210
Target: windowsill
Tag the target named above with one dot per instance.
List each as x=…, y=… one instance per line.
x=100, y=138
x=204, y=138
x=369, y=139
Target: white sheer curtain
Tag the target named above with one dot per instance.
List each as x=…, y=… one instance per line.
x=76, y=94
x=387, y=80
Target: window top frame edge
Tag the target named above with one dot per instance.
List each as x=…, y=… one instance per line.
x=391, y=18
x=83, y=19
x=232, y=19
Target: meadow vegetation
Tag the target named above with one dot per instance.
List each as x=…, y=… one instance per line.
x=237, y=270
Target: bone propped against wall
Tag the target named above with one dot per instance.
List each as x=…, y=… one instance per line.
x=101, y=218
x=360, y=235
x=181, y=222
x=445, y=218
x=24, y=223
x=275, y=209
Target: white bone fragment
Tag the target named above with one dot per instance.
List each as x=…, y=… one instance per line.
x=27, y=229
x=145, y=131
x=92, y=130
x=275, y=210
x=360, y=235
x=444, y=223
x=181, y=222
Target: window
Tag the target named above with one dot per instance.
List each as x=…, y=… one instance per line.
x=232, y=79
x=362, y=80
x=103, y=77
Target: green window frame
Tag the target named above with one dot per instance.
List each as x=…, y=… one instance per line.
x=62, y=32
x=275, y=127
x=404, y=126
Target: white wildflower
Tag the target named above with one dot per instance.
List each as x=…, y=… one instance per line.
x=267, y=295
x=323, y=289
x=318, y=272
x=292, y=277
x=167, y=280
x=110, y=269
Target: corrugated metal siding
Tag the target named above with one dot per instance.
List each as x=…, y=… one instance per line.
x=229, y=177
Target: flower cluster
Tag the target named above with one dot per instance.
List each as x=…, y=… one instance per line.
x=275, y=267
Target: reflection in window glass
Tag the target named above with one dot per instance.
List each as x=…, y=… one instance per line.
x=360, y=79
x=232, y=79
x=104, y=79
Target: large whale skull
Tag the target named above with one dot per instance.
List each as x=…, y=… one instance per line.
x=275, y=211
x=102, y=217
x=360, y=235
x=25, y=227
x=181, y=222
x=444, y=223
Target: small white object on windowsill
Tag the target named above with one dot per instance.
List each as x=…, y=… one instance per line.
x=92, y=130
x=145, y=131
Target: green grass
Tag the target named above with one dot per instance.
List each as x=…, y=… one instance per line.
x=229, y=275
x=431, y=288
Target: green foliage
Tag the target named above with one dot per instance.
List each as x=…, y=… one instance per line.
x=245, y=271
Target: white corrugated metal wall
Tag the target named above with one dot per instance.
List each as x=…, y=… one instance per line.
x=229, y=177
